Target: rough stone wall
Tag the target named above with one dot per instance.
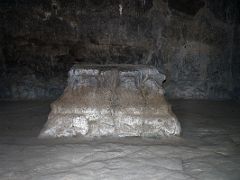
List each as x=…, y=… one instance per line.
x=236, y=65
x=190, y=41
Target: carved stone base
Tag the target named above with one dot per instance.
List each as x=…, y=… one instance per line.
x=112, y=100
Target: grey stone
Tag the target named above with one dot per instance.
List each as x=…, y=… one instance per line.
x=113, y=100
x=195, y=43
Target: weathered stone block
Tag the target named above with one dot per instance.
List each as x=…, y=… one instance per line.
x=112, y=100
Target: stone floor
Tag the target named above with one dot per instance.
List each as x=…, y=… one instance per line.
x=208, y=149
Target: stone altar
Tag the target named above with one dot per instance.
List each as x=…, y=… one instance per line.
x=112, y=100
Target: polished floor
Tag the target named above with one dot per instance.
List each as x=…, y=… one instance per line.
x=209, y=147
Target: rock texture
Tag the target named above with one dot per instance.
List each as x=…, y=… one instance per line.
x=115, y=100
x=191, y=41
x=236, y=65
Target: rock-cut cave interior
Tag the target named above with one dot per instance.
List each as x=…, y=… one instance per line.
x=119, y=89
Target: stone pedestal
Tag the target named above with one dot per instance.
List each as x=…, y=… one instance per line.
x=112, y=100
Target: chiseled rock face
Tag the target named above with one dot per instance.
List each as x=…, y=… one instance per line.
x=194, y=42
x=112, y=100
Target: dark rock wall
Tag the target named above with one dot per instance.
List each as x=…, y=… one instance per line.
x=195, y=43
x=236, y=64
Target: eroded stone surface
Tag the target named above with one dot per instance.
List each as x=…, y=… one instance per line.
x=115, y=100
x=194, y=42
